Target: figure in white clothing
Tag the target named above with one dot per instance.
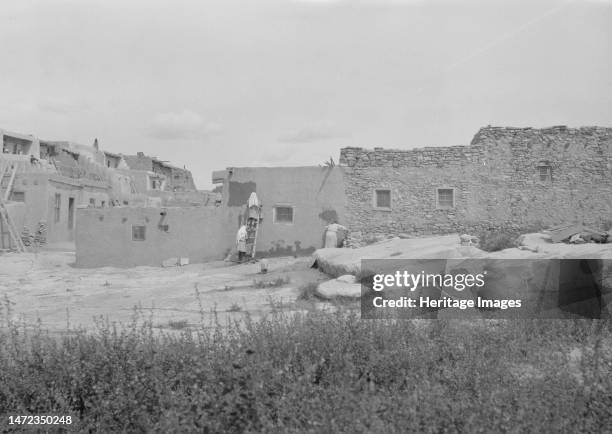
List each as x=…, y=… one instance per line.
x=241, y=239
x=331, y=234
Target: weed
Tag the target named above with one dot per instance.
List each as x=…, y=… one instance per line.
x=308, y=291
x=279, y=281
x=235, y=307
x=314, y=372
x=178, y=325
x=492, y=241
x=275, y=303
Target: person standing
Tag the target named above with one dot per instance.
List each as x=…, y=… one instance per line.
x=331, y=234
x=241, y=239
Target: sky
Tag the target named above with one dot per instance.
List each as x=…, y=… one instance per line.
x=215, y=84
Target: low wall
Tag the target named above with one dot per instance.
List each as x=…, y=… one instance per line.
x=104, y=236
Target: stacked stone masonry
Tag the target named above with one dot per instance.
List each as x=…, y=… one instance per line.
x=507, y=178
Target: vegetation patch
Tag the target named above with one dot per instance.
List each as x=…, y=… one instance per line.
x=178, y=325
x=493, y=241
x=279, y=281
x=308, y=291
x=315, y=372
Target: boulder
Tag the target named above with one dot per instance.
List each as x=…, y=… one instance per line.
x=534, y=240
x=348, y=278
x=170, y=262
x=339, y=288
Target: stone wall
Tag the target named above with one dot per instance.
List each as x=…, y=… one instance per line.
x=496, y=182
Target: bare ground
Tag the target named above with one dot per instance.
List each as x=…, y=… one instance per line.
x=46, y=287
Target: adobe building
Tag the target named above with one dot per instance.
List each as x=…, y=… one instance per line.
x=54, y=178
x=518, y=178
x=297, y=203
x=507, y=177
x=16, y=144
x=161, y=175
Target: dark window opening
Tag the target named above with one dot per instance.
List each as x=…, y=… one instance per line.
x=446, y=198
x=383, y=199
x=283, y=214
x=18, y=196
x=70, y=212
x=545, y=173
x=138, y=233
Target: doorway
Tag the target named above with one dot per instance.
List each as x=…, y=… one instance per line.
x=70, y=212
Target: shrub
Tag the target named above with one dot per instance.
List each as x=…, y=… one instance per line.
x=312, y=373
x=279, y=281
x=178, y=325
x=308, y=291
x=493, y=241
x=235, y=307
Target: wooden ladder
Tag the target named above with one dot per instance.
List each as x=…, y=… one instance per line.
x=8, y=221
x=5, y=217
x=253, y=232
x=9, y=187
x=254, y=248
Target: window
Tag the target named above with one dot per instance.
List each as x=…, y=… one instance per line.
x=283, y=214
x=445, y=198
x=18, y=196
x=138, y=233
x=102, y=204
x=382, y=199
x=156, y=184
x=58, y=202
x=92, y=202
x=545, y=173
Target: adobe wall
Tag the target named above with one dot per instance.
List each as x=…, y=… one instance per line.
x=104, y=235
x=34, y=187
x=39, y=192
x=496, y=182
x=81, y=193
x=315, y=193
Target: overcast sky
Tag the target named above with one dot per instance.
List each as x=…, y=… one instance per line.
x=212, y=84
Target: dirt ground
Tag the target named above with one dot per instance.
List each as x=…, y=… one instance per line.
x=46, y=286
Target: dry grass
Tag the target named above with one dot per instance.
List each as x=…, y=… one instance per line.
x=314, y=373
x=275, y=283
x=178, y=325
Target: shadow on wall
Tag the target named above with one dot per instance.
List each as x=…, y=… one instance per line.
x=238, y=192
x=329, y=216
